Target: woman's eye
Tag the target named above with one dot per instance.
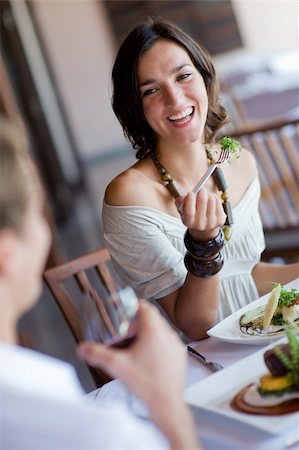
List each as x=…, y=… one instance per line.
x=183, y=76
x=149, y=92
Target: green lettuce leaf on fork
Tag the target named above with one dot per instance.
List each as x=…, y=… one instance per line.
x=232, y=145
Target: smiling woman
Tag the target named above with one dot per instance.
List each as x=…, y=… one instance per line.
x=172, y=250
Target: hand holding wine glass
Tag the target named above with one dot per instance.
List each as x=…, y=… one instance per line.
x=153, y=368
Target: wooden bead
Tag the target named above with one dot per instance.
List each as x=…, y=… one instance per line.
x=228, y=231
x=174, y=189
x=228, y=211
x=219, y=179
x=166, y=177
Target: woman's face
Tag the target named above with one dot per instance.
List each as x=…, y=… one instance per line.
x=173, y=94
x=32, y=247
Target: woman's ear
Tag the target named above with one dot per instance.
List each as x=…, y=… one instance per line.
x=8, y=252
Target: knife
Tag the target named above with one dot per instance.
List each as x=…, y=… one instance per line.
x=211, y=364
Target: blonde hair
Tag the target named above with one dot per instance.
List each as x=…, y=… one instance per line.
x=18, y=178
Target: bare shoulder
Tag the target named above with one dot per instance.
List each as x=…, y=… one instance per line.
x=242, y=166
x=120, y=190
x=246, y=163
x=239, y=173
x=242, y=170
x=131, y=187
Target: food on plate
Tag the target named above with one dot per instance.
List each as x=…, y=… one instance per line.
x=271, y=306
x=277, y=391
x=282, y=308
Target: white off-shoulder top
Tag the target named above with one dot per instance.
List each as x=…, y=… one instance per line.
x=147, y=249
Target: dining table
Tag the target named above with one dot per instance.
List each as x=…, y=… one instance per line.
x=215, y=431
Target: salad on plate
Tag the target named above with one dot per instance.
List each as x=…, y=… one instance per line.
x=270, y=319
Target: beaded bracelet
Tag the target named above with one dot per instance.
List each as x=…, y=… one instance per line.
x=203, y=268
x=204, y=249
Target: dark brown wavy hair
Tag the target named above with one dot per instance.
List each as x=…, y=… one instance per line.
x=126, y=100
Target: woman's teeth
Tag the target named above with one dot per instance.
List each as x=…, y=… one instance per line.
x=188, y=111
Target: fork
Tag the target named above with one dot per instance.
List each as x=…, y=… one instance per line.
x=223, y=157
x=214, y=366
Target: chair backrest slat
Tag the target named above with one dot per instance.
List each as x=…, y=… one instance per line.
x=83, y=281
x=276, y=148
x=107, y=279
x=291, y=150
x=284, y=168
x=269, y=181
x=67, y=282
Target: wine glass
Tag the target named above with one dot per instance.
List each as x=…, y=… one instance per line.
x=109, y=317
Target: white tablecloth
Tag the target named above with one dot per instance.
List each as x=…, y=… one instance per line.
x=215, y=432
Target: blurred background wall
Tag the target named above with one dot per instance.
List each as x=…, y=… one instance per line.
x=79, y=42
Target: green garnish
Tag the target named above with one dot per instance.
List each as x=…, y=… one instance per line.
x=277, y=319
x=287, y=298
x=291, y=360
x=232, y=145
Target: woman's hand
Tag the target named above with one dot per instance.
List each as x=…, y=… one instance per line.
x=202, y=213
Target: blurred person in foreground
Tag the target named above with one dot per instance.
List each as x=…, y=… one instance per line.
x=42, y=405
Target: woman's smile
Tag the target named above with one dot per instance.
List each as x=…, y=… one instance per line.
x=182, y=118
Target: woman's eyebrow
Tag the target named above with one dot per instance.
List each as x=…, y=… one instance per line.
x=174, y=70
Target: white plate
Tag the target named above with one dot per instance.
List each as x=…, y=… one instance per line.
x=215, y=393
x=229, y=329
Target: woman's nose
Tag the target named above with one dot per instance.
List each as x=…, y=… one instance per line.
x=172, y=95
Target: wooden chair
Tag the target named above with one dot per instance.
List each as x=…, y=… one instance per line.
x=276, y=149
x=69, y=281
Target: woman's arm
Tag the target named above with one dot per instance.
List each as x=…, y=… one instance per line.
x=152, y=367
x=266, y=273
x=193, y=308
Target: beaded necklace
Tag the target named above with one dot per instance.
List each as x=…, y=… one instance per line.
x=218, y=177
